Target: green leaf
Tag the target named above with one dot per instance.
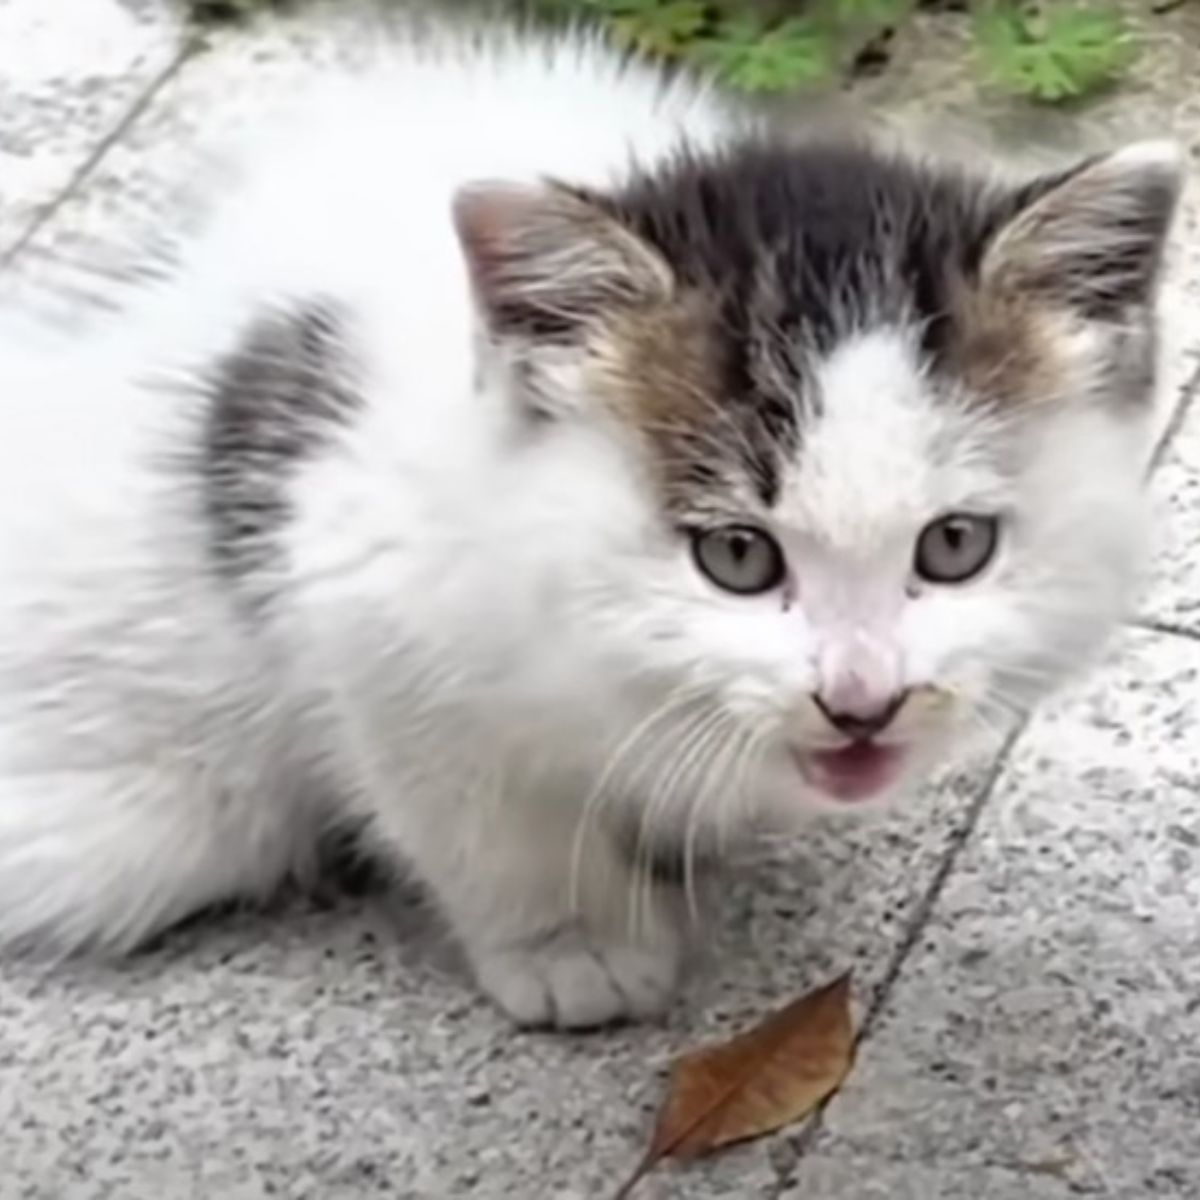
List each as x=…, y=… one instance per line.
x=665, y=28
x=1065, y=52
x=859, y=15
x=756, y=57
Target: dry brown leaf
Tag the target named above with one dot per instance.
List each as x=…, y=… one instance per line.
x=757, y=1082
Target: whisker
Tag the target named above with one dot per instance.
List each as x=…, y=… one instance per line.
x=718, y=752
x=594, y=804
x=659, y=796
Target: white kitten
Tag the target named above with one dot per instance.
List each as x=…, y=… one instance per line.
x=554, y=471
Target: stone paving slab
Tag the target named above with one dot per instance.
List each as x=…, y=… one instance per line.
x=1049, y=1023
x=342, y=1052
x=840, y=1178
x=70, y=71
x=136, y=194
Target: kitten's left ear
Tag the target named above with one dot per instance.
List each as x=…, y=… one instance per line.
x=545, y=261
x=1092, y=242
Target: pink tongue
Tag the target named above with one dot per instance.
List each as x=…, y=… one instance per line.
x=856, y=771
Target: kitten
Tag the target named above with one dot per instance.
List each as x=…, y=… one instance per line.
x=538, y=461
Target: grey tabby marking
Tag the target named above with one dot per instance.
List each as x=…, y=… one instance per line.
x=275, y=399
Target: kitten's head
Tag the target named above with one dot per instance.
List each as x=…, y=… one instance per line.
x=856, y=446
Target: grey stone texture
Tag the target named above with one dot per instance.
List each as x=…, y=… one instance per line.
x=1025, y=939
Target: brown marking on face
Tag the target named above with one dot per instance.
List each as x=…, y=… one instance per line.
x=1007, y=351
x=660, y=371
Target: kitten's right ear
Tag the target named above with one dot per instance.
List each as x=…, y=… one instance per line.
x=1092, y=241
x=545, y=262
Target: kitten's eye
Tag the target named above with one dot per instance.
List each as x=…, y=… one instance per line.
x=739, y=558
x=955, y=548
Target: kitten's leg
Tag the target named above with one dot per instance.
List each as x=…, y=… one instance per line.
x=557, y=933
x=554, y=936
x=103, y=858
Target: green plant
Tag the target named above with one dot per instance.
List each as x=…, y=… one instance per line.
x=1060, y=53
x=754, y=56
x=1051, y=51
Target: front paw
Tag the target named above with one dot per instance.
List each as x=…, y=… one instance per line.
x=570, y=979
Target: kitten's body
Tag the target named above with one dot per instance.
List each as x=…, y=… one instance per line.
x=373, y=507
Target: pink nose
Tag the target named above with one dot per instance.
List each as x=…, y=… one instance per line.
x=859, y=690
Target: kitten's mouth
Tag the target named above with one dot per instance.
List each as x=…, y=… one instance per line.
x=853, y=772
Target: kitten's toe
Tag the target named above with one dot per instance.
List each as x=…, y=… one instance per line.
x=572, y=982
x=647, y=978
x=511, y=979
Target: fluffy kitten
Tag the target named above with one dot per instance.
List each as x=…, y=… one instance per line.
x=545, y=465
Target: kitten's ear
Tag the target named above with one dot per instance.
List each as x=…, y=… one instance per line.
x=1092, y=241
x=545, y=261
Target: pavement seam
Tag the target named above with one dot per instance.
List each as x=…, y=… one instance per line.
x=793, y=1149
x=1188, y=392
x=1166, y=628
x=43, y=217
x=926, y=905
x=1183, y=406
x=797, y=1146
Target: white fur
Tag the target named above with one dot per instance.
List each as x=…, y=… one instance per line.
x=489, y=645
x=889, y=456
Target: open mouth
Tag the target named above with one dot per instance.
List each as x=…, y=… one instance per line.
x=855, y=771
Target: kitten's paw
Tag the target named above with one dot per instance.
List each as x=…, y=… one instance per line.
x=572, y=981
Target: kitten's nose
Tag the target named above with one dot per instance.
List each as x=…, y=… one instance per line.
x=859, y=689
x=864, y=720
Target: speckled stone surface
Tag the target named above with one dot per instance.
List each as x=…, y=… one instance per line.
x=859, y=1177
x=340, y=1052
x=1173, y=596
x=1049, y=1023
x=70, y=71
x=1038, y=1037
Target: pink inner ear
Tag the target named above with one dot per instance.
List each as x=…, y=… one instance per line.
x=487, y=213
x=544, y=253
x=490, y=219
x=1094, y=240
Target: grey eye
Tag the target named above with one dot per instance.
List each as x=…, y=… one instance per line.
x=739, y=558
x=955, y=548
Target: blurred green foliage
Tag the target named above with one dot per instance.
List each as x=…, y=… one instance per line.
x=1054, y=51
